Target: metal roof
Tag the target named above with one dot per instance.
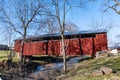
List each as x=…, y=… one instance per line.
x=79, y=32
x=68, y=34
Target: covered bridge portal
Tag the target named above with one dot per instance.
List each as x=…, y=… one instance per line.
x=77, y=43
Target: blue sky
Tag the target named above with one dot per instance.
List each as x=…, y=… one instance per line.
x=91, y=14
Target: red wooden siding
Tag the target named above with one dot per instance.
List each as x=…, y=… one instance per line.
x=75, y=46
x=87, y=46
x=17, y=46
x=100, y=42
x=54, y=47
x=35, y=48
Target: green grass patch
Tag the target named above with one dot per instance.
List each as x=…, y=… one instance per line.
x=95, y=64
x=3, y=53
x=4, y=56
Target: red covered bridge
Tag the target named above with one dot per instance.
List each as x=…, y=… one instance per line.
x=77, y=43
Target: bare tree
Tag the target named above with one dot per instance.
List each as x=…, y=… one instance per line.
x=96, y=25
x=50, y=25
x=20, y=15
x=61, y=21
x=71, y=27
x=62, y=7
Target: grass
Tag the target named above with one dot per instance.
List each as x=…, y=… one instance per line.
x=4, y=56
x=78, y=73
x=3, y=53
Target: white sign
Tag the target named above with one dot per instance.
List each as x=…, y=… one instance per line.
x=114, y=51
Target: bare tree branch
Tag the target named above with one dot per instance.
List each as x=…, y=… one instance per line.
x=115, y=6
x=8, y=21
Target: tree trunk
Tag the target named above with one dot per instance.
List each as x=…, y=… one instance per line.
x=21, y=51
x=22, y=58
x=63, y=53
x=10, y=57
